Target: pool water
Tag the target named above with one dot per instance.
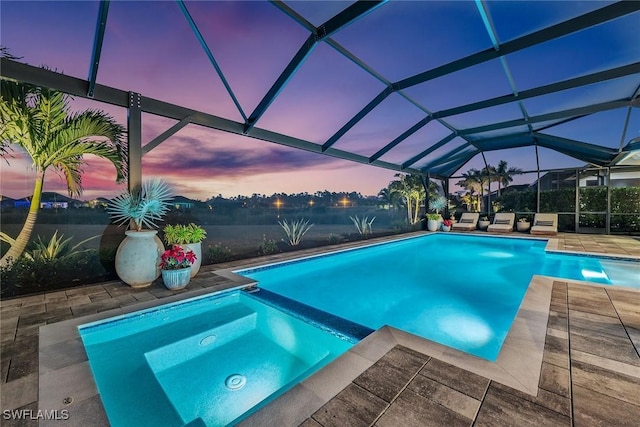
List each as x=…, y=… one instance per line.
x=460, y=291
x=206, y=361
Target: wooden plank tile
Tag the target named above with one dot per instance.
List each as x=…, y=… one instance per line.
x=411, y=409
x=456, y=378
x=501, y=408
x=557, y=321
x=555, y=402
x=555, y=379
x=556, y=351
x=595, y=409
x=353, y=406
x=310, y=422
x=391, y=373
x=452, y=399
x=613, y=384
x=588, y=323
x=611, y=347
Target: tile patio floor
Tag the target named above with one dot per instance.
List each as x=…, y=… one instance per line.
x=590, y=372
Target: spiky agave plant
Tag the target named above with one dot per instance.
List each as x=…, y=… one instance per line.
x=363, y=225
x=295, y=230
x=55, y=249
x=144, y=206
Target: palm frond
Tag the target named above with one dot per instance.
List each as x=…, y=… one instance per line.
x=4, y=237
x=144, y=205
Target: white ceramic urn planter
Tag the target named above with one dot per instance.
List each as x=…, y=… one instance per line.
x=433, y=224
x=138, y=258
x=197, y=249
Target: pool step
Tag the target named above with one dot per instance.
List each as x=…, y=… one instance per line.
x=352, y=331
x=236, y=323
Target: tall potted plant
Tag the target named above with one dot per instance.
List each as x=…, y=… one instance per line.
x=434, y=220
x=138, y=256
x=190, y=237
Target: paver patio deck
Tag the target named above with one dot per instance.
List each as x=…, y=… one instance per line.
x=590, y=372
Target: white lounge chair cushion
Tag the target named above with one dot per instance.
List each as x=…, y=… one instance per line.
x=543, y=229
x=458, y=225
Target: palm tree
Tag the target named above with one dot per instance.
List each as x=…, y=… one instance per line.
x=38, y=120
x=473, y=181
x=504, y=175
x=412, y=192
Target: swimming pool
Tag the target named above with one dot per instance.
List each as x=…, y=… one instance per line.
x=460, y=291
x=205, y=361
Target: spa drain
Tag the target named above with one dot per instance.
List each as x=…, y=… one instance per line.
x=235, y=381
x=208, y=340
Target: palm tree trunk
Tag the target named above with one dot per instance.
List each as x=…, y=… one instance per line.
x=415, y=212
x=24, y=237
x=408, y=202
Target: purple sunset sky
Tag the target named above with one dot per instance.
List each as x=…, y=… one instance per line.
x=149, y=48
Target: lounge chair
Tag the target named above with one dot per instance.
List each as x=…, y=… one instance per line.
x=545, y=223
x=502, y=223
x=468, y=222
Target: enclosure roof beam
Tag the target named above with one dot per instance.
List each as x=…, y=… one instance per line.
x=212, y=59
x=77, y=87
x=429, y=150
x=587, y=20
x=450, y=156
x=590, y=19
x=341, y=20
x=413, y=129
x=351, y=57
x=98, y=38
x=165, y=135
x=521, y=139
x=600, y=76
x=578, y=146
x=355, y=119
x=605, y=106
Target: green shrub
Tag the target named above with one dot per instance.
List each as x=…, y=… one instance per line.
x=625, y=200
x=593, y=199
x=334, y=239
x=268, y=246
x=218, y=253
x=625, y=223
x=27, y=276
x=562, y=200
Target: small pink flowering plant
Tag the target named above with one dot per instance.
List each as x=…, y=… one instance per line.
x=176, y=258
x=447, y=223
